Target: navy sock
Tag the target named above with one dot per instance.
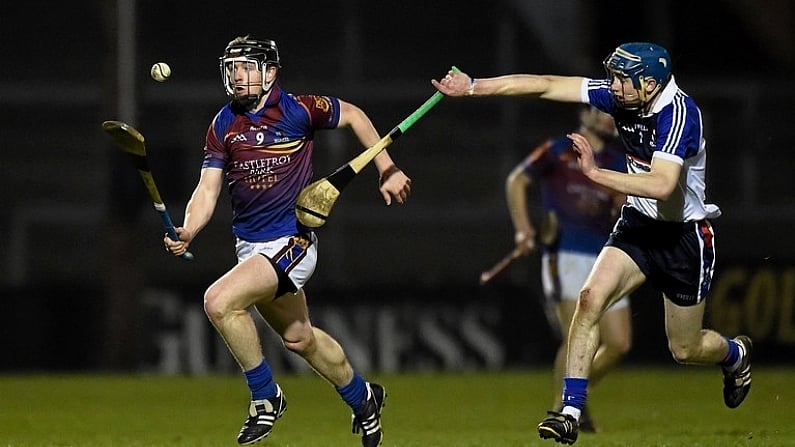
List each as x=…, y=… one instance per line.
x=732, y=359
x=355, y=393
x=575, y=391
x=260, y=382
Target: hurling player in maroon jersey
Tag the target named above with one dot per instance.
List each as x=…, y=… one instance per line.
x=260, y=146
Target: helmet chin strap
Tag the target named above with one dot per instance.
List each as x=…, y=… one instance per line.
x=250, y=101
x=632, y=106
x=246, y=102
x=266, y=86
x=644, y=96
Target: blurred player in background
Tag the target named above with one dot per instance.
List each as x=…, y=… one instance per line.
x=577, y=217
x=664, y=234
x=260, y=146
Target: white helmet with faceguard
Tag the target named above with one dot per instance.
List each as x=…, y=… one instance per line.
x=257, y=54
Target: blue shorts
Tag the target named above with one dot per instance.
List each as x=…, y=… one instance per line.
x=678, y=258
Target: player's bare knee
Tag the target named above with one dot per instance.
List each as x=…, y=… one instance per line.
x=302, y=344
x=625, y=346
x=214, y=305
x=588, y=303
x=620, y=346
x=301, y=347
x=682, y=353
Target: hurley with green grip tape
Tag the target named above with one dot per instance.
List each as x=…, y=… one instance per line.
x=315, y=201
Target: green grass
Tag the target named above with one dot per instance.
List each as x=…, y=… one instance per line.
x=677, y=406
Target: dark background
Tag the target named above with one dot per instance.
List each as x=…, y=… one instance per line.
x=80, y=255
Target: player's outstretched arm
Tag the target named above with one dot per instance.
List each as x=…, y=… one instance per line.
x=551, y=87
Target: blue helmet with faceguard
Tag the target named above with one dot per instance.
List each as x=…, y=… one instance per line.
x=639, y=61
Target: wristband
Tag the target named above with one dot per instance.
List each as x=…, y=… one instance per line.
x=471, y=91
x=384, y=176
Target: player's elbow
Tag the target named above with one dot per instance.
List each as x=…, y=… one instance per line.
x=516, y=179
x=661, y=195
x=662, y=190
x=662, y=180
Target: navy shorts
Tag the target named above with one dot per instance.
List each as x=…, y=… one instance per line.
x=678, y=258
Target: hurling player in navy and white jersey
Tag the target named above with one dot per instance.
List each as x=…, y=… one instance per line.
x=260, y=147
x=578, y=215
x=664, y=233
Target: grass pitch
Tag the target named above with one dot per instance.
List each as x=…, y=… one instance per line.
x=677, y=406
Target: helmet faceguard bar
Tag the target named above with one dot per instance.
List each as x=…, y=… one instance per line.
x=261, y=53
x=640, y=62
x=624, y=64
x=228, y=72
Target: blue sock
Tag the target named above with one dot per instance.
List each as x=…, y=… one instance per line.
x=732, y=359
x=260, y=382
x=355, y=393
x=575, y=391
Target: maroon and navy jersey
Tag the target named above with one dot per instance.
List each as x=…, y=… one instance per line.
x=585, y=210
x=267, y=159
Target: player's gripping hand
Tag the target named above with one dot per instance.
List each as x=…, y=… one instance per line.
x=455, y=83
x=177, y=248
x=525, y=242
x=393, y=183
